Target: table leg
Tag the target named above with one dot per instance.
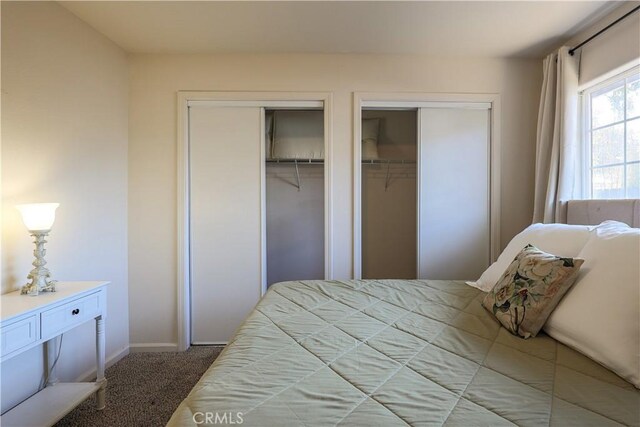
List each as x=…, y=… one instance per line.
x=100, y=379
x=52, y=355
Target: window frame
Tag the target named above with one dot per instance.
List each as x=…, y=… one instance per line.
x=586, y=159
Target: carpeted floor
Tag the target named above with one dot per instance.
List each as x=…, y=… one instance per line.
x=145, y=388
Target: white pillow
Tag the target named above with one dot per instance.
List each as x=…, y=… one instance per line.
x=370, y=138
x=558, y=239
x=600, y=315
x=298, y=135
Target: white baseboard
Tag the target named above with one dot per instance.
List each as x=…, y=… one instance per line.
x=218, y=343
x=110, y=361
x=153, y=347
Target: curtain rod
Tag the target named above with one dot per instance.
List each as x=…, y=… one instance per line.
x=572, y=51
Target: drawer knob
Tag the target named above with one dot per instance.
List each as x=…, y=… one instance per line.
x=75, y=311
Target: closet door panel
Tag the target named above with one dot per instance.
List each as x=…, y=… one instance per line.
x=454, y=239
x=225, y=156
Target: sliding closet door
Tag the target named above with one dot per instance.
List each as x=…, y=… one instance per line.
x=225, y=156
x=454, y=238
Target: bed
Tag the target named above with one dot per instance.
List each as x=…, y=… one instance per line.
x=410, y=352
x=398, y=352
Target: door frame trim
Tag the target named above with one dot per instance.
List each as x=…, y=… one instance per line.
x=248, y=99
x=406, y=100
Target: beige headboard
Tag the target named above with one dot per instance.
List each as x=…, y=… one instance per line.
x=593, y=212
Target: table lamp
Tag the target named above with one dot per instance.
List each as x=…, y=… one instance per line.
x=38, y=218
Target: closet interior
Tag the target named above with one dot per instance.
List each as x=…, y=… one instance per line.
x=388, y=193
x=294, y=194
x=425, y=197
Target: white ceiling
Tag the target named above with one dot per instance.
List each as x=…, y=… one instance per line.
x=454, y=28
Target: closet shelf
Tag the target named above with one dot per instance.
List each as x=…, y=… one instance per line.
x=296, y=161
x=364, y=161
x=387, y=161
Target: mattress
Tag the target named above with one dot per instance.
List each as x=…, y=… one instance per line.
x=397, y=352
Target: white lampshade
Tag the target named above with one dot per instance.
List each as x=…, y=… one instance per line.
x=38, y=216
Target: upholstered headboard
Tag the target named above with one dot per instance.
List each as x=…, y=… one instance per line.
x=593, y=212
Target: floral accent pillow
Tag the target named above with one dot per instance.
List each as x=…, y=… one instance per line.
x=529, y=290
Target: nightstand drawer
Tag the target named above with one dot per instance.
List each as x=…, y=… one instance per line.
x=70, y=314
x=19, y=334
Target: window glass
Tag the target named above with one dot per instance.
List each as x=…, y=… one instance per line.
x=608, y=145
x=633, y=140
x=612, y=138
x=608, y=107
x=633, y=97
x=633, y=181
x=608, y=182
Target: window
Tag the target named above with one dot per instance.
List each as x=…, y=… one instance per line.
x=612, y=138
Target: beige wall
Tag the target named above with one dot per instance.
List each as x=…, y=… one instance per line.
x=612, y=52
x=155, y=79
x=64, y=139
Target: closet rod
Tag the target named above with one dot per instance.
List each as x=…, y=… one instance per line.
x=296, y=162
x=387, y=178
x=572, y=51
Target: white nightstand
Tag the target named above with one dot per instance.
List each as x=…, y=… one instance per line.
x=26, y=322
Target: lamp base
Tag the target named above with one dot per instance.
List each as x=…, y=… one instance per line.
x=33, y=289
x=40, y=276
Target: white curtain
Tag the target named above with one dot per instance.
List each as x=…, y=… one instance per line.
x=557, y=142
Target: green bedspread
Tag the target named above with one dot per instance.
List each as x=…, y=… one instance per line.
x=397, y=352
